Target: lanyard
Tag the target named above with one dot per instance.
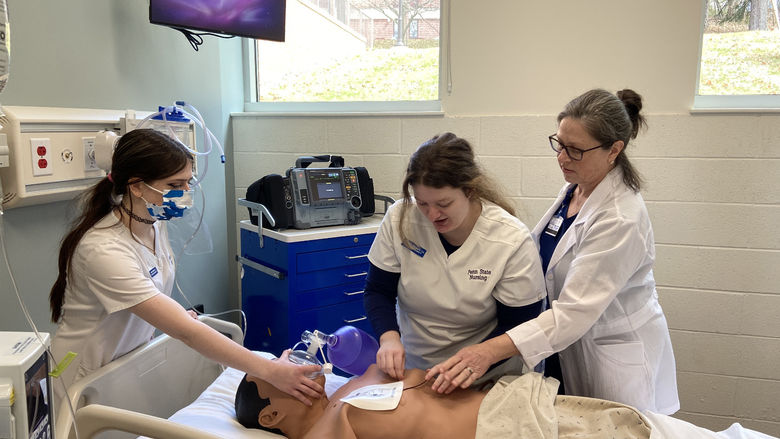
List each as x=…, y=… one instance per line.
x=554, y=226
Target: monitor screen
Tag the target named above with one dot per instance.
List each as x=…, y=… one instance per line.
x=39, y=402
x=325, y=184
x=259, y=19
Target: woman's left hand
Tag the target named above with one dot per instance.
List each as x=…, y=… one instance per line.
x=462, y=369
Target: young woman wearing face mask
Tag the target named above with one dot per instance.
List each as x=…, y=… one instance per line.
x=459, y=265
x=116, y=271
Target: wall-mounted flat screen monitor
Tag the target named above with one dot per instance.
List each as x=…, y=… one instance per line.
x=258, y=19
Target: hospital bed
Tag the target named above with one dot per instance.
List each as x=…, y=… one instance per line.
x=137, y=393
x=166, y=390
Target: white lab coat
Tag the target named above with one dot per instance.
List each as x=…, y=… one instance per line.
x=605, y=319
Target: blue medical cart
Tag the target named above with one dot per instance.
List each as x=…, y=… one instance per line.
x=296, y=280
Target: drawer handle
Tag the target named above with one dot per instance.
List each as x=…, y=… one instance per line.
x=260, y=267
x=354, y=293
x=362, y=273
x=356, y=257
x=359, y=319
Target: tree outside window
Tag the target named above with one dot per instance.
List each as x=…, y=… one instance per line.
x=353, y=50
x=740, y=48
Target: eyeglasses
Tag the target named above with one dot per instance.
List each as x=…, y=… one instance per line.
x=572, y=152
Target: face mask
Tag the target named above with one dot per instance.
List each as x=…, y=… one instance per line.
x=175, y=203
x=306, y=359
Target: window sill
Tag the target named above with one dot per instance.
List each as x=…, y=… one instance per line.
x=736, y=104
x=307, y=109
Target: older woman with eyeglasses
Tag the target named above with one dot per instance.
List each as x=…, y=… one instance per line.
x=596, y=244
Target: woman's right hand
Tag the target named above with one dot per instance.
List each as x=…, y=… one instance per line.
x=391, y=357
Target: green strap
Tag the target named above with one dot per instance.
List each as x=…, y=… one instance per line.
x=62, y=365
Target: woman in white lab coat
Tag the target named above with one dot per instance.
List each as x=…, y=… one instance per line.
x=597, y=249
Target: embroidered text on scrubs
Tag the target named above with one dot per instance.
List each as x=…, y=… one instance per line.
x=480, y=274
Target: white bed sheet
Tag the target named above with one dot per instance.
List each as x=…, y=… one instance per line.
x=214, y=410
x=667, y=427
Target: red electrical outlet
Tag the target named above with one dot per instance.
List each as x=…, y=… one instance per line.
x=41, y=156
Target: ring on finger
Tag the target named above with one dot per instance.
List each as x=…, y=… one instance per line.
x=471, y=371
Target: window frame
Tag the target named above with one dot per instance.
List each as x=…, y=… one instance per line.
x=432, y=107
x=728, y=103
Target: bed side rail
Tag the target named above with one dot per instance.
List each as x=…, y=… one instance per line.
x=97, y=418
x=157, y=378
x=229, y=329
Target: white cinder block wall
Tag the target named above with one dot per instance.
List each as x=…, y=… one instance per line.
x=710, y=190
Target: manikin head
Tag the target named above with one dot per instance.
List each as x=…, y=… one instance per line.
x=261, y=405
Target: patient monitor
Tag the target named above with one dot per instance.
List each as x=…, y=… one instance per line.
x=25, y=387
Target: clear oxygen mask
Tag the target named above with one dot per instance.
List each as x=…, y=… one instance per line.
x=305, y=358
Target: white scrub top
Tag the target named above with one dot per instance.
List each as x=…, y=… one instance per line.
x=447, y=303
x=109, y=273
x=605, y=319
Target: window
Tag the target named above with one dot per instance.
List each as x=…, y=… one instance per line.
x=351, y=51
x=740, y=60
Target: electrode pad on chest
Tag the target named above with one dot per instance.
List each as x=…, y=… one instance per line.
x=376, y=396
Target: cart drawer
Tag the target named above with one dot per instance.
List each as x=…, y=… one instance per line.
x=340, y=257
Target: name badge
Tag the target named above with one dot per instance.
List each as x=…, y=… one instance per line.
x=414, y=248
x=554, y=226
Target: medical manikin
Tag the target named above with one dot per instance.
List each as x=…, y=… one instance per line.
x=526, y=406
x=409, y=408
x=421, y=410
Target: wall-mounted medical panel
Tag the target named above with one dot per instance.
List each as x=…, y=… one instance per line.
x=51, y=151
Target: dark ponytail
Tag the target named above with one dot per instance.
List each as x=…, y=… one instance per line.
x=140, y=155
x=97, y=204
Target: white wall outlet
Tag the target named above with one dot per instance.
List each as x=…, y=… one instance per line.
x=41, y=156
x=90, y=164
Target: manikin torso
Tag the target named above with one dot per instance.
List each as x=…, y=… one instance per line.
x=421, y=413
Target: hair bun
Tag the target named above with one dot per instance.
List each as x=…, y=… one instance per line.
x=631, y=100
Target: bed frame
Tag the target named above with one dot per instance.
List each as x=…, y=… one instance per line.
x=135, y=395
x=139, y=391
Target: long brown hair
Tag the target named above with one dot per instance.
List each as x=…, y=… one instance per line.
x=609, y=118
x=448, y=160
x=140, y=155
